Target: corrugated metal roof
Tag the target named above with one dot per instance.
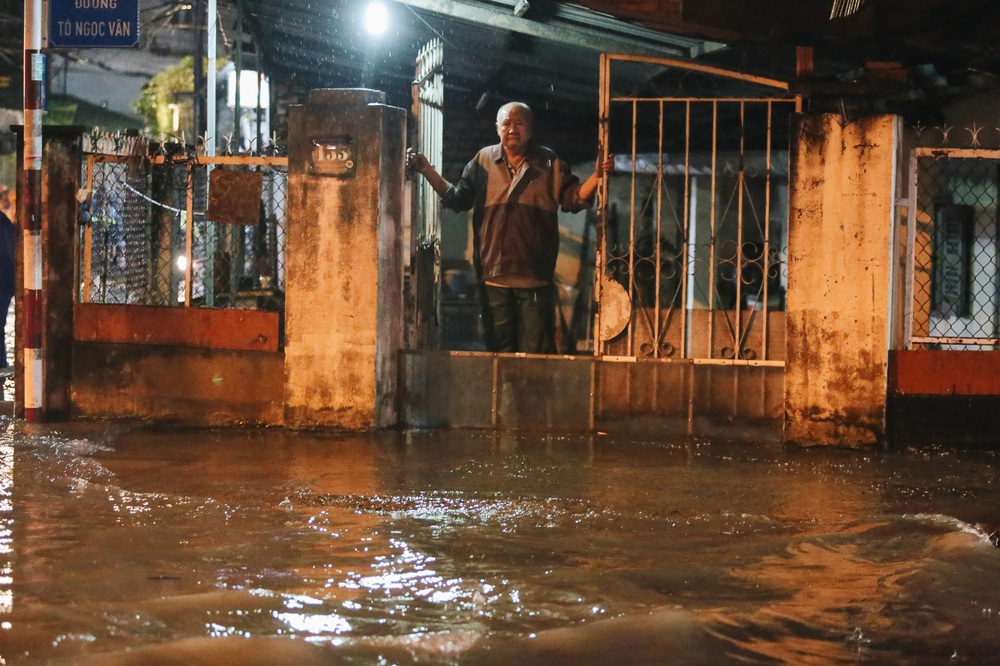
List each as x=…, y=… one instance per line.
x=549, y=56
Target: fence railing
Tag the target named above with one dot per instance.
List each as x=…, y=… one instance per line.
x=160, y=226
x=953, y=262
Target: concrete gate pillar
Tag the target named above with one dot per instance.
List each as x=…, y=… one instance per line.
x=344, y=279
x=840, y=226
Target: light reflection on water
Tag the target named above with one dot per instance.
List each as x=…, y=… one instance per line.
x=130, y=545
x=6, y=533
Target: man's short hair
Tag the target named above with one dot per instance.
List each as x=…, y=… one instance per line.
x=520, y=105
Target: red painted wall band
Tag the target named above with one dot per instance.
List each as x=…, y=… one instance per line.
x=32, y=319
x=33, y=200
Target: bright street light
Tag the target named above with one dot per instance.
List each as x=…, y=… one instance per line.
x=376, y=18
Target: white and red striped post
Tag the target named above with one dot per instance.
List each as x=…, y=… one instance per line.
x=34, y=82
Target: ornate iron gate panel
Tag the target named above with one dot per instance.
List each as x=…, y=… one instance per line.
x=691, y=252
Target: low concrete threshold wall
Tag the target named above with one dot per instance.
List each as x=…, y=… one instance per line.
x=741, y=400
x=440, y=389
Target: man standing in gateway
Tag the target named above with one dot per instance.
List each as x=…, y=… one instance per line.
x=515, y=190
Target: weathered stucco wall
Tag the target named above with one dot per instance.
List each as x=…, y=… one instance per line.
x=841, y=209
x=344, y=307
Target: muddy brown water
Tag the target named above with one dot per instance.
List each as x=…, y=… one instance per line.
x=132, y=545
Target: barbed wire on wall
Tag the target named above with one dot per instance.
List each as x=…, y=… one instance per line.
x=174, y=147
x=972, y=135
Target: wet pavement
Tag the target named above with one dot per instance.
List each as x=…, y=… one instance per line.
x=7, y=374
x=132, y=545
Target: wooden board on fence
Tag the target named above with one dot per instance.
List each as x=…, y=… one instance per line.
x=234, y=197
x=250, y=330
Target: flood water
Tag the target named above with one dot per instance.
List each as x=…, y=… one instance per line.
x=130, y=545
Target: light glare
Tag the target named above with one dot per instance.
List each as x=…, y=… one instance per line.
x=376, y=18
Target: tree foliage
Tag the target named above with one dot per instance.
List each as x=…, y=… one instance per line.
x=172, y=86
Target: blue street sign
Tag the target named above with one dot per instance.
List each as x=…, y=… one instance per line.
x=82, y=23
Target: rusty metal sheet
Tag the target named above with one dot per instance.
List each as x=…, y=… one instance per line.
x=251, y=330
x=234, y=197
x=940, y=372
x=178, y=385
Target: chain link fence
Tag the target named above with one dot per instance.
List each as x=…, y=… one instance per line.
x=954, y=250
x=162, y=226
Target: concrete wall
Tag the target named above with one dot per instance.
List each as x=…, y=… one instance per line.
x=672, y=398
x=841, y=216
x=344, y=300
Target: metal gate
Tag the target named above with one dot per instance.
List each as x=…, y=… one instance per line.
x=424, y=241
x=693, y=228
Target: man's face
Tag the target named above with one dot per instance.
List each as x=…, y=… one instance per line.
x=514, y=128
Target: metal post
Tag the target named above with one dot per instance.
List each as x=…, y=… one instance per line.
x=189, y=239
x=260, y=111
x=632, y=295
x=211, y=139
x=765, y=260
x=687, y=229
x=741, y=194
x=600, y=242
x=34, y=85
x=212, y=47
x=657, y=244
x=199, y=76
x=238, y=67
x=691, y=252
x=712, y=230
